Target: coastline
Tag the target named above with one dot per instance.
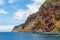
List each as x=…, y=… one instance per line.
x=50, y=33
x=44, y=33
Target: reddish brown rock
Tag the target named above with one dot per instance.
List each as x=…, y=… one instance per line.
x=45, y=20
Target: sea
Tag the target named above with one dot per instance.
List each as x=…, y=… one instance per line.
x=28, y=36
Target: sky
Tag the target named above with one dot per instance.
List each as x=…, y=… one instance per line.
x=15, y=12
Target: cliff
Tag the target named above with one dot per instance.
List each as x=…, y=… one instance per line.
x=47, y=19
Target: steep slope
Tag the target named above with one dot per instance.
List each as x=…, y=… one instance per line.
x=47, y=19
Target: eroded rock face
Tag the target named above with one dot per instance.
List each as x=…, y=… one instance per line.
x=47, y=19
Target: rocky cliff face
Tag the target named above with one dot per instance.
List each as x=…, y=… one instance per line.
x=47, y=19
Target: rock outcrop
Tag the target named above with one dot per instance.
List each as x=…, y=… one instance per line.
x=47, y=19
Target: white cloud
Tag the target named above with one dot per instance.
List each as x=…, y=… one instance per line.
x=6, y=28
x=12, y=1
x=3, y=11
x=38, y=1
x=32, y=8
x=18, y=14
x=35, y=6
x=21, y=14
x=1, y=2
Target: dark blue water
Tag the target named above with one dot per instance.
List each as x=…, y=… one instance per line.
x=27, y=36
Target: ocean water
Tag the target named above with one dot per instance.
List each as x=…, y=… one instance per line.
x=27, y=36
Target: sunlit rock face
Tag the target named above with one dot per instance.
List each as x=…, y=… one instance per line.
x=47, y=19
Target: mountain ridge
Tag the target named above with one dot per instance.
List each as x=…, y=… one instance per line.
x=47, y=19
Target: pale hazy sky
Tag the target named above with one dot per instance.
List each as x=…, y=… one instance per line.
x=15, y=12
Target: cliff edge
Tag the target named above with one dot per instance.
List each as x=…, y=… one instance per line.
x=47, y=19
